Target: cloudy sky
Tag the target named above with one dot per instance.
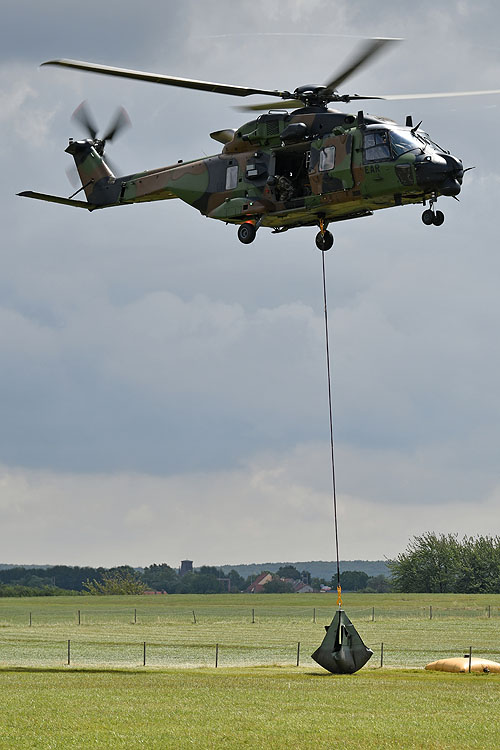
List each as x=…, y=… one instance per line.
x=162, y=387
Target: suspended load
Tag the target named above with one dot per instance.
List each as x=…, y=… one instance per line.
x=342, y=650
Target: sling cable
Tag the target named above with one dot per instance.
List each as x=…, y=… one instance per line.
x=342, y=651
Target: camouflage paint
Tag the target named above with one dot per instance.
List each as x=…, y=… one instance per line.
x=270, y=171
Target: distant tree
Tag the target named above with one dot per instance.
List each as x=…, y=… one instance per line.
x=18, y=590
x=479, y=566
x=429, y=564
x=210, y=570
x=441, y=564
x=351, y=580
x=160, y=577
x=201, y=583
x=288, y=571
x=116, y=582
x=207, y=584
x=237, y=582
x=277, y=587
x=378, y=585
x=316, y=583
x=72, y=577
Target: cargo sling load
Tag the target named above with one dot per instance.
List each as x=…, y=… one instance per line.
x=342, y=650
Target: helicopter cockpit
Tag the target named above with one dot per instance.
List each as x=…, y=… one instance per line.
x=436, y=170
x=390, y=144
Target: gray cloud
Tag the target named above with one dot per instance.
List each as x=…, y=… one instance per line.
x=149, y=343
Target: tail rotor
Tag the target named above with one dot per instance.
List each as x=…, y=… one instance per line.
x=83, y=116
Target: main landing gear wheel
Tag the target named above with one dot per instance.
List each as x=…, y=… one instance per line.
x=438, y=218
x=246, y=233
x=324, y=240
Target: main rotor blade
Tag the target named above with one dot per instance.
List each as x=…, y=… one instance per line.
x=367, y=50
x=264, y=106
x=186, y=83
x=440, y=95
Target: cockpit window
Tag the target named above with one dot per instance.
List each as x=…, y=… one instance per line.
x=376, y=146
x=402, y=142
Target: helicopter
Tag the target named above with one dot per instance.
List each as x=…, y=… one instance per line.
x=312, y=166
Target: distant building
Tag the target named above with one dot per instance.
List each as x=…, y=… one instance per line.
x=186, y=567
x=257, y=586
x=302, y=588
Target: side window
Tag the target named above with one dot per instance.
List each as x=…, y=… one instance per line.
x=376, y=146
x=231, y=177
x=327, y=159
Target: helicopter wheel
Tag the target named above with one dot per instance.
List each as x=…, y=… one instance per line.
x=428, y=217
x=438, y=218
x=324, y=240
x=246, y=233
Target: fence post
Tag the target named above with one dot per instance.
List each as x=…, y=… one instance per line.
x=194, y=617
x=489, y=610
x=30, y=619
x=314, y=614
x=216, y=655
x=69, y=652
x=135, y=616
x=430, y=612
x=144, y=655
x=381, y=654
x=470, y=659
x=298, y=653
x=253, y=616
x=79, y=618
x=373, y=614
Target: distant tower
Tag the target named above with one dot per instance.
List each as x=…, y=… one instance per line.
x=186, y=567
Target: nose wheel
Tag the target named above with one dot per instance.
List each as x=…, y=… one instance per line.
x=430, y=216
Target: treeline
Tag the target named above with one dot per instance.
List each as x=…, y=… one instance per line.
x=58, y=579
x=65, y=579
x=18, y=590
x=357, y=580
x=444, y=563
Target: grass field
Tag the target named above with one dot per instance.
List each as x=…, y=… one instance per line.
x=257, y=697
x=250, y=630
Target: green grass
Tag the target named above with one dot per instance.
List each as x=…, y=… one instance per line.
x=257, y=698
x=270, y=708
x=108, y=634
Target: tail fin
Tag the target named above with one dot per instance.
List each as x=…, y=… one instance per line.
x=98, y=181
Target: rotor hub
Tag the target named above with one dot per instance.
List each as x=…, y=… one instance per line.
x=311, y=95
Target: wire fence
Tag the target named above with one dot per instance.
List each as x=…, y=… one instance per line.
x=163, y=634
x=99, y=616
x=41, y=653
x=128, y=654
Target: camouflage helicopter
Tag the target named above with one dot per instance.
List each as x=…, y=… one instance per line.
x=309, y=167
